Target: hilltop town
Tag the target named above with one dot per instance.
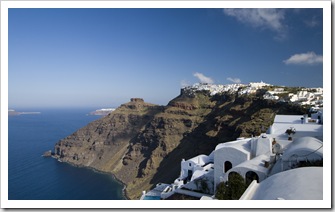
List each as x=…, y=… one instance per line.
x=102, y=111
x=298, y=95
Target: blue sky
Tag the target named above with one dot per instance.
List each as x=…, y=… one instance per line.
x=104, y=57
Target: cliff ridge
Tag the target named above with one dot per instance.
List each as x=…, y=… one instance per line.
x=142, y=144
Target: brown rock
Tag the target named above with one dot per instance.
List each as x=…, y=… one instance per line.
x=142, y=144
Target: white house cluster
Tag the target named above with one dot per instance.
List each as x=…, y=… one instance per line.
x=268, y=163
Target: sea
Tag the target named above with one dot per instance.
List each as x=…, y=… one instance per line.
x=33, y=177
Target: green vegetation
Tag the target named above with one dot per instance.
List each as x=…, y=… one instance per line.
x=202, y=185
x=177, y=196
x=232, y=189
x=311, y=163
x=293, y=90
x=312, y=90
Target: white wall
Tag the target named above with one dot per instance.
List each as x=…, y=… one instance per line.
x=235, y=156
x=196, y=185
x=260, y=145
x=185, y=166
x=243, y=170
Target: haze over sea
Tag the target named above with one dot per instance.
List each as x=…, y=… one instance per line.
x=33, y=177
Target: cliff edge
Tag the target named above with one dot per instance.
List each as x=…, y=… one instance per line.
x=143, y=144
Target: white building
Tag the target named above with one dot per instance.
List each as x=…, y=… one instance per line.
x=270, y=95
x=301, y=149
x=198, y=164
x=305, y=97
x=257, y=159
x=279, y=90
x=258, y=85
x=303, y=125
x=213, y=88
x=254, y=158
x=295, y=184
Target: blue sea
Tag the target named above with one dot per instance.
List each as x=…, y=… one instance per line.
x=33, y=177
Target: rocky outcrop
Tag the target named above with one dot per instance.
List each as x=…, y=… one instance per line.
x=107, y=138
x=47, y=154
x=142, y=144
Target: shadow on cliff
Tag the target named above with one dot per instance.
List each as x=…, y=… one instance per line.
x=194, y=143
x=199, y=142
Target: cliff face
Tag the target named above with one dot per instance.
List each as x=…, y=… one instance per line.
x=142, y=144
x=103, y=143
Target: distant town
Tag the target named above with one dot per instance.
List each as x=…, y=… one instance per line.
x=298, y=95
x=102, y=112
x=312, y=97
x=12, y=112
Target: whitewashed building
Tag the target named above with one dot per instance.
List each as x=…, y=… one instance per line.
x=199, y=164
x=256, y=159
x=258, y=85
x=295, y=184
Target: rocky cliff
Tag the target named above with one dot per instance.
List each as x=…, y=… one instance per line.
x=142, y=144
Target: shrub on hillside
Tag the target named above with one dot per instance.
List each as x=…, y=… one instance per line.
x=232, y=189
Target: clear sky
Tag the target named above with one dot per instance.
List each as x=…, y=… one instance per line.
x=103, y=57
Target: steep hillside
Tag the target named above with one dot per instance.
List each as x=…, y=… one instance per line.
x=103, y=143
x=142, y=144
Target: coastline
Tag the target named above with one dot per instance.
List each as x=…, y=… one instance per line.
x=124, y=192
x=14, y=113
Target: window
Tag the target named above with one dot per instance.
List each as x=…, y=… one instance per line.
x=189, y=175
x=251, y=176
x=227, y=166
